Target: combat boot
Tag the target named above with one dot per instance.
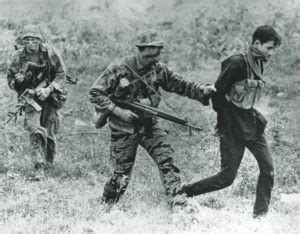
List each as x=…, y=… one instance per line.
x=178, y=203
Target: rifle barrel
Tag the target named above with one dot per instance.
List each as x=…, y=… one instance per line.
x=194, y=127
x=162, y=114
x=154, y=111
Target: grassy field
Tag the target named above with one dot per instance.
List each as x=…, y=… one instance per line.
x=68, y=200
x=199, y=34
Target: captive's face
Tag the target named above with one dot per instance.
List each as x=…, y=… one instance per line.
x=31, y=44
x=267, y=48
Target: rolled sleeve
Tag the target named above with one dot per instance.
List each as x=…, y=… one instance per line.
x=102, y=88
x=172, y=82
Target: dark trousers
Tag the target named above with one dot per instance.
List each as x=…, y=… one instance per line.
x=232, y=151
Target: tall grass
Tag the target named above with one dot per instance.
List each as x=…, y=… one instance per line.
x=199, y=34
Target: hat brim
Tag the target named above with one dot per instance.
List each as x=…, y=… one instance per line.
x=33, y=35
x=155, y=44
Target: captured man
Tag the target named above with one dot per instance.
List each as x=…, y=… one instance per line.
x=240, y=125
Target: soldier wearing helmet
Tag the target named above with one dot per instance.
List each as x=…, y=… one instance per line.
x=32, y=31
x=34, y=64
x=139, y=78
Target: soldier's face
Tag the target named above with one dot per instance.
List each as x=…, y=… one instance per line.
x=31, y=44
x=153, y=54
x=267, y=48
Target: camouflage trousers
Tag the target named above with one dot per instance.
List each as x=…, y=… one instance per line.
x=42, y=127
x=123, y=153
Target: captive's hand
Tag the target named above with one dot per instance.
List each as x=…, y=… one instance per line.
x=209, y=89
x=19, y=77
x=43, y=93
x=124, y=114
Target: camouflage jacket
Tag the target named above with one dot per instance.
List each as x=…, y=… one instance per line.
x=158, y=75
x=55, y=69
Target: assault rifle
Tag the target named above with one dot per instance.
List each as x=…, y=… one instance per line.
x=146, y=110
x=27, y=97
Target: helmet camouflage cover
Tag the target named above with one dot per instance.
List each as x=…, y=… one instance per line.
x=32, y=31
x=149, y=38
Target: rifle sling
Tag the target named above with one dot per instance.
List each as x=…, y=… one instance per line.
x=135, y=73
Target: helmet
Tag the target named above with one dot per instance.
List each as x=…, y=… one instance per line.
x=149, y=38
x=32, y=31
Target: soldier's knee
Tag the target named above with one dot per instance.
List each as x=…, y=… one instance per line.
x=124, y=168
x=163, y=155
x=53, y=126
x=168, y=165
x=161, y=148
x=35, y=140
x=32, y=119
x=51, y=123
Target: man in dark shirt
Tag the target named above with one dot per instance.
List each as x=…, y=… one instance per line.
x=239, y=124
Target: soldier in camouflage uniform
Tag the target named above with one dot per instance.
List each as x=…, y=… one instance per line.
x=143, y=74
x=41, y=125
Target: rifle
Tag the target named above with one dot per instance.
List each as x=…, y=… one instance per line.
x=25, y=99
x=143, y=109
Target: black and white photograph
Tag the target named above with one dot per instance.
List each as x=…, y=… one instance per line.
x=149, y=116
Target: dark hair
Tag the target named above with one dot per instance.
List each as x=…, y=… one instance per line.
x=266, y=33
x=142, y=48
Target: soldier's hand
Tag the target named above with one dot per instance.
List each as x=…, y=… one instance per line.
x=19, y=77
x=43, y=93
x=124, y=114
x=209, y=89
x=145, y=101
